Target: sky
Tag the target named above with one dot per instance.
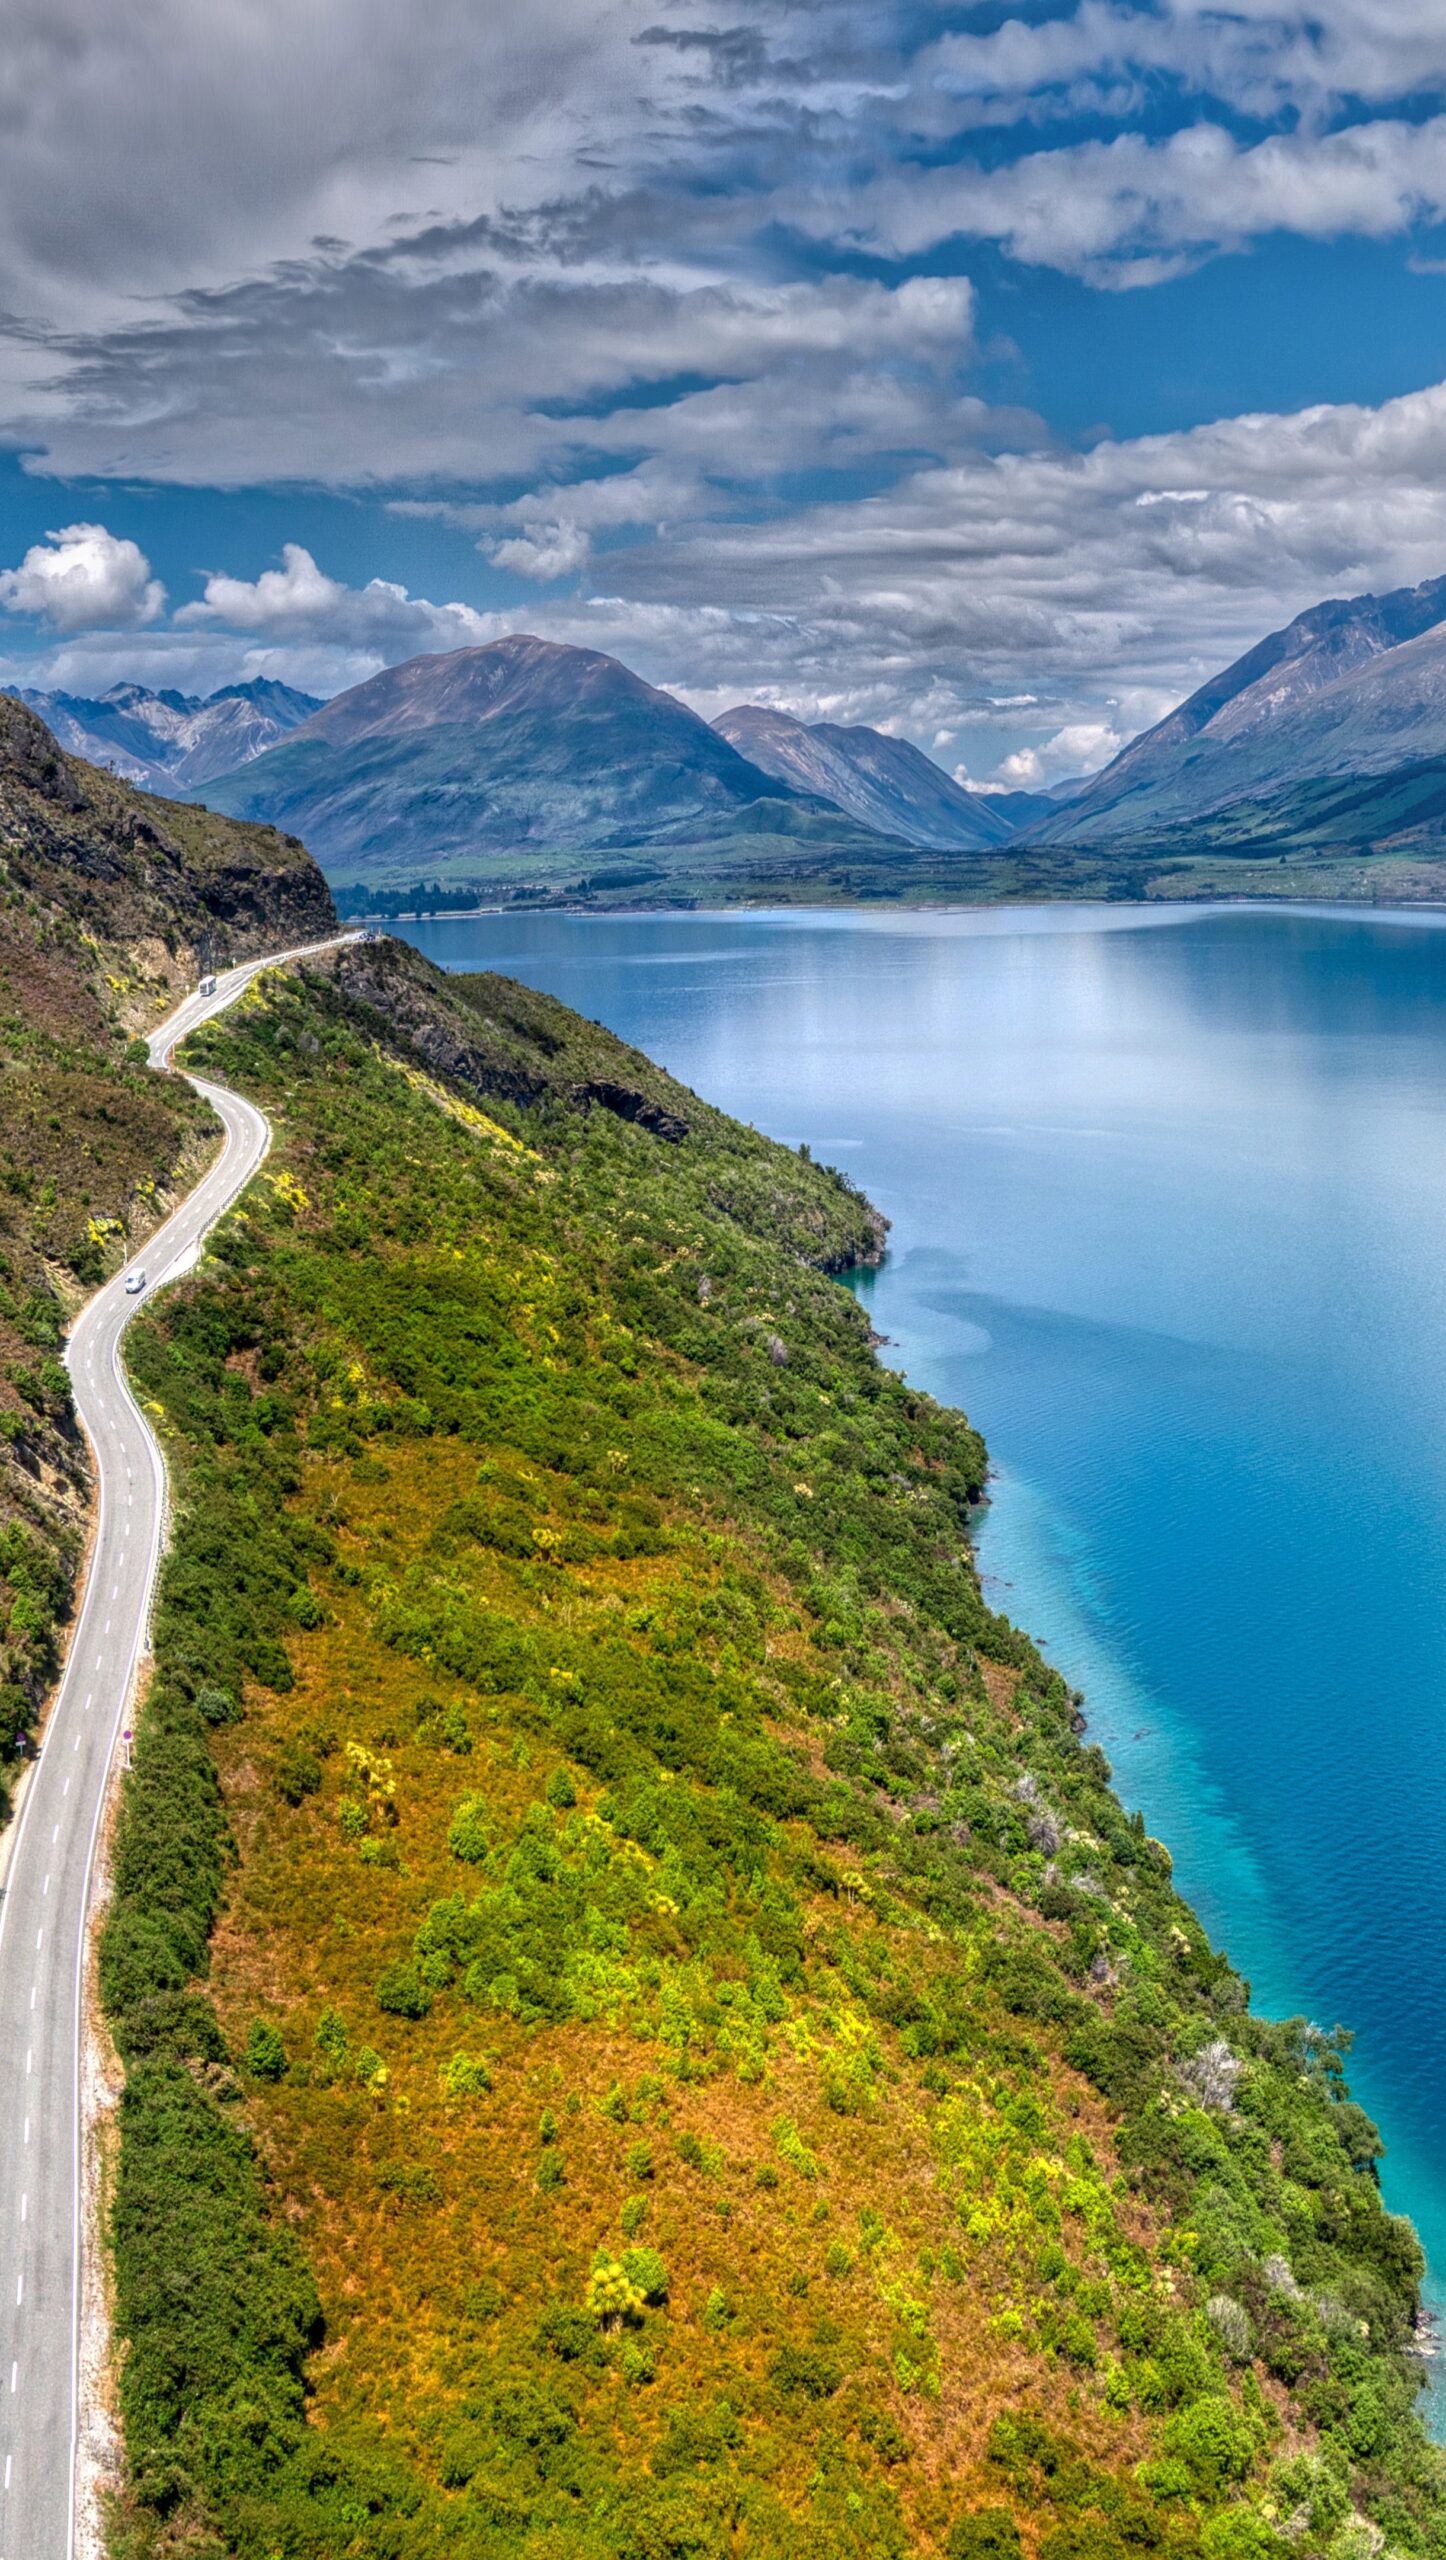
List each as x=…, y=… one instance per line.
x=989, y=373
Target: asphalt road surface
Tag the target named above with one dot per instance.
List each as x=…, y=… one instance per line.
x=43, y=1907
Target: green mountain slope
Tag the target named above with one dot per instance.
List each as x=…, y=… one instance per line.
x=107, y=899
x=516, y=765
x=649, y=2036
x=1352, y=689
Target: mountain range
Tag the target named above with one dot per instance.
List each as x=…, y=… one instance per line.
x=1329, y=733
x=529, y=769
x=884, y=782
x=172, y=741
x=528, y=766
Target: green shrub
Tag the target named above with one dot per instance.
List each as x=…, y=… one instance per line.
x=881, y=2430
x=1240, y=2533
x=411, y=2182
x=805, y=2373
x=265, y=2055
x=331, y=2037
x=400, y=1990
x=789, y=2143
x=466, y=2076
x=469, y=1836
x=646, y=2273
x=611, y=2298
x=1213, y=2439
x=986, y=2533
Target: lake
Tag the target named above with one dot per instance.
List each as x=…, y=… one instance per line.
x=1168, y=1192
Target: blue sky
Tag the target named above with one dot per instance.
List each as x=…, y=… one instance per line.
x=991, y=373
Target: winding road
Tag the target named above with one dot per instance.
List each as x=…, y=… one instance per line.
x=44, y=1906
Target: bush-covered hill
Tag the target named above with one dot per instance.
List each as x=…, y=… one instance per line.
x=107, y=900
x=649, y=2036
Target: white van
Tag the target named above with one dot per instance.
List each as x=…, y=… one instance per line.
x=207, y=987
x=135, y=1282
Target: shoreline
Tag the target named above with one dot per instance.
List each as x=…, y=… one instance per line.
x=1243, y=904
x=1406, y=2167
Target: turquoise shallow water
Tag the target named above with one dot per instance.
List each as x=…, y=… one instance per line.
x=1168, y=1193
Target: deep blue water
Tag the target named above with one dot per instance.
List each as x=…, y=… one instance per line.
x=1168, y=1193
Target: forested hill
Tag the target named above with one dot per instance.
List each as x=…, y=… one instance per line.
x=649, y=2036
x=109, y=901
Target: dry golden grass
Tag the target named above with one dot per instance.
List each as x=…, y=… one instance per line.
x=310, y=1927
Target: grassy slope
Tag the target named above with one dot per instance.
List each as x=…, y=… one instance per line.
x=103, y=895
x=635, y=1834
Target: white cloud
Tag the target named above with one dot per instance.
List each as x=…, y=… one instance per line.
x=1132, y=209
x=488, y=238
x=553, y=551
x=81, y=579
x=299, y=602
x=1037, y=602
x=393, y=368
x=1260, y=56
x=1083, y=746
x=152, y=148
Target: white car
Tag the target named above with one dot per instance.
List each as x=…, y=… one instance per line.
x=135, y=1282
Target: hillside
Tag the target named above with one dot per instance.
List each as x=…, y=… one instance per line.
x=1349, y=689
x=172, y=741
x=885, y=783
x=523, y=764
x=107, y=898
x=648, y=2035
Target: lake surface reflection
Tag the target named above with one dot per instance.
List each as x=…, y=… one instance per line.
x=1168, y=1193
